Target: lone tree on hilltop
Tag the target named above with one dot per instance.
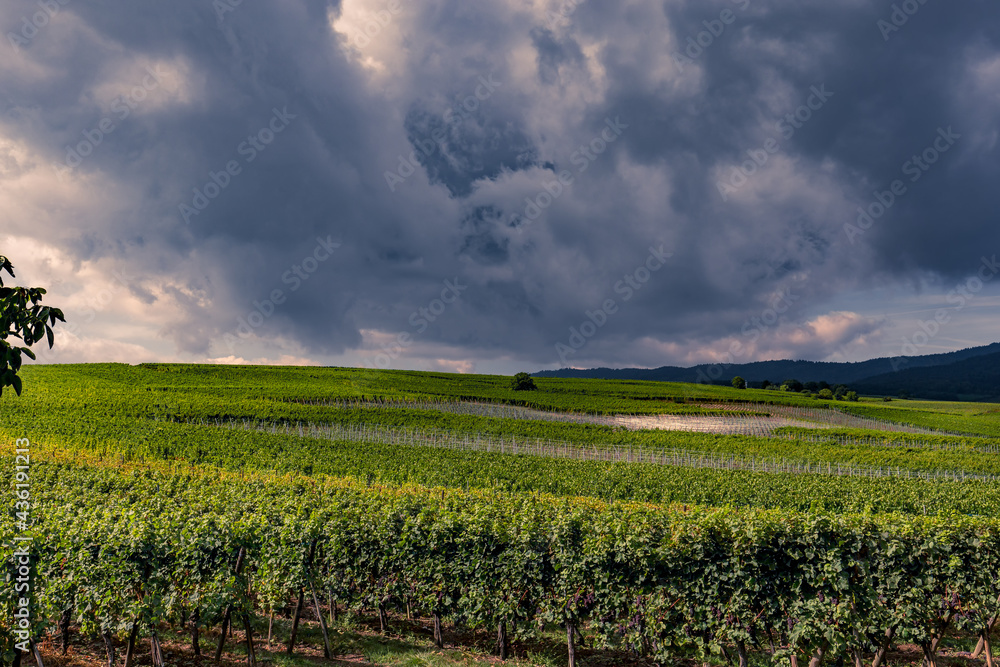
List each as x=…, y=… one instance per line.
x=21, y=317
x=739, y=382
x=793, y=385
x=522, y=382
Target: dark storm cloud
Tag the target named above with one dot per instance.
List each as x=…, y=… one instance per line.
x=215, y=207
x=474, y=146
x=482, y=244
x=553, y=53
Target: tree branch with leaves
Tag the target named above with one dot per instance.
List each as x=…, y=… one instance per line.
x=23, y=318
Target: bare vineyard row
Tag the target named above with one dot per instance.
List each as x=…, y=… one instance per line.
x=565, y=450
x=830, y=417
x=753, y=423
x=753, y=419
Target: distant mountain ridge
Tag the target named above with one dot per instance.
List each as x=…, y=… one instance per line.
x=972, y=379
x=972, y=374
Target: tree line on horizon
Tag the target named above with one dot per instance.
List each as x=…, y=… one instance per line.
x=822, y=389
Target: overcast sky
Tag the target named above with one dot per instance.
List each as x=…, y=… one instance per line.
x=503, y=186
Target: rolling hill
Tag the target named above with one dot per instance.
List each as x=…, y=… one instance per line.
x=971, y=374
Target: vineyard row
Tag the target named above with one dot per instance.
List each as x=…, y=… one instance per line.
x=750, y=418
x=566, y=450
x=121, y=554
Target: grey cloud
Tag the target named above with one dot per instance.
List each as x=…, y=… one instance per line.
x=324, y=173
x=475, y=146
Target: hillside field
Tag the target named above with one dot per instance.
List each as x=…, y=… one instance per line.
x=394, y=517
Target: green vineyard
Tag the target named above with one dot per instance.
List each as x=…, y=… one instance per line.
x=248, y=511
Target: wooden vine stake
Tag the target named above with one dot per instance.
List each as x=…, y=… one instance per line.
x=109, y=647
x=438, y=635
x=984, y=637
x=322, y=622
x=155, y=650
x=817, y=658
x=741, y=649
x=937, y=640
x=930, y=658
x=64, y=629
x=570, y=642
x=195, y=632
x=502, y=640
x=333, y=606
x=130, y=649
x=383, y=619
x=229, y=608
x=251, y=653
x=222, y=634
x=301, y=601
x=295, y=621
x=884, y=648
x=38, y=656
